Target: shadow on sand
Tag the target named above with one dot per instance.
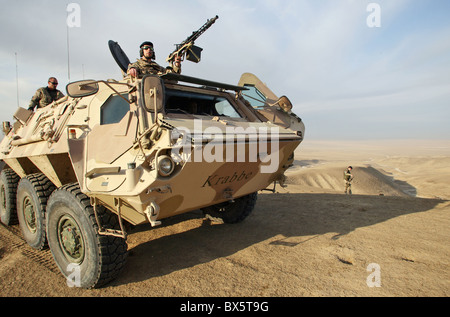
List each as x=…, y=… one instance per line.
x=285, y=214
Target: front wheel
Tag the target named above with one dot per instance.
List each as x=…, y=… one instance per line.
x=233, y=211
x=86, y=258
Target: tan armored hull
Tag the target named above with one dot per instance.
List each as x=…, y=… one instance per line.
x=136, y=151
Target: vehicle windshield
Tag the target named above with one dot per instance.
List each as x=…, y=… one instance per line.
x=187, y=102
x=254, y=96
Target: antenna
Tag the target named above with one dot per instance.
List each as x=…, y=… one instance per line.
x=17, y=80
x=68, y=55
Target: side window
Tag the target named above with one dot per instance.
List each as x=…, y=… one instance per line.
x=254, y=96
x=114, y=109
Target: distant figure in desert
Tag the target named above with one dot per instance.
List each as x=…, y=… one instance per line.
x=348, y=177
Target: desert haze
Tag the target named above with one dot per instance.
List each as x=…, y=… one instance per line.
x=390, y=238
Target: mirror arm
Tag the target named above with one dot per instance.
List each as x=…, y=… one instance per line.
x=107, y=84
x=118, y=93
x=153, y=94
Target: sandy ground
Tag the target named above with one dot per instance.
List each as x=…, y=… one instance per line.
x=390, y=238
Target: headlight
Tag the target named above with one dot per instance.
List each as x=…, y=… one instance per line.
x=165, y=165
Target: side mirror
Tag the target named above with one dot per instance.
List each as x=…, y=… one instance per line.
x=285, y=104
x=152, y=93
x=82, y=88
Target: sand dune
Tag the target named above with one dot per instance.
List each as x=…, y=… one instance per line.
x=368, y=181
x=402, y=168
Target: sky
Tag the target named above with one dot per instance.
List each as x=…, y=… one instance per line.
x=353, y=69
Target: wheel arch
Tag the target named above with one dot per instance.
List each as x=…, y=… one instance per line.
x=56, y=167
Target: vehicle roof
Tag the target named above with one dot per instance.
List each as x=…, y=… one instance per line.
x=199, y=81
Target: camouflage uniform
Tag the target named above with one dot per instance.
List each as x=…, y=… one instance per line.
x=144, y=67
x=147, y=66
x=43, y=97
x=348, y=177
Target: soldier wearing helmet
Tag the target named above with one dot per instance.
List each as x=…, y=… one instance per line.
x=146, y=64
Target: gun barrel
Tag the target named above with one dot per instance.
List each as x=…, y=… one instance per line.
x=180, y=48
x=196, y=34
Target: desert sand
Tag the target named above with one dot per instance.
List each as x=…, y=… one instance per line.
x=391, y=238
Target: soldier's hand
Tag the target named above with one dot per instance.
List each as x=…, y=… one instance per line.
x=177, y=62
x=133, y=72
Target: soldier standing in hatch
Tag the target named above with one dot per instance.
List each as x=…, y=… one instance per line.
x=146, y=64
x=348, y=177
x=46, y=95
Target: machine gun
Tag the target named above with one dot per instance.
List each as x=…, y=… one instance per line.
x=187, y=47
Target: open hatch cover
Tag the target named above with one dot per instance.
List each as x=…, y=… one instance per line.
x=119, y=55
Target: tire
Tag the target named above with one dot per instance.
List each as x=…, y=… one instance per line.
x=233, y=212
x=32, y=195
x=8, y=190
x=86, y=258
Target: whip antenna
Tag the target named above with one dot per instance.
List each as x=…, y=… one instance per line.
x=17, y=80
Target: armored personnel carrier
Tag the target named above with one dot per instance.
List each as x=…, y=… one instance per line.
x=112, y=153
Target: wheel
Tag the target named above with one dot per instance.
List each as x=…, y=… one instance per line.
x=8, y=189
x=86, y=258
x=32, y=195
x=235, y=211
